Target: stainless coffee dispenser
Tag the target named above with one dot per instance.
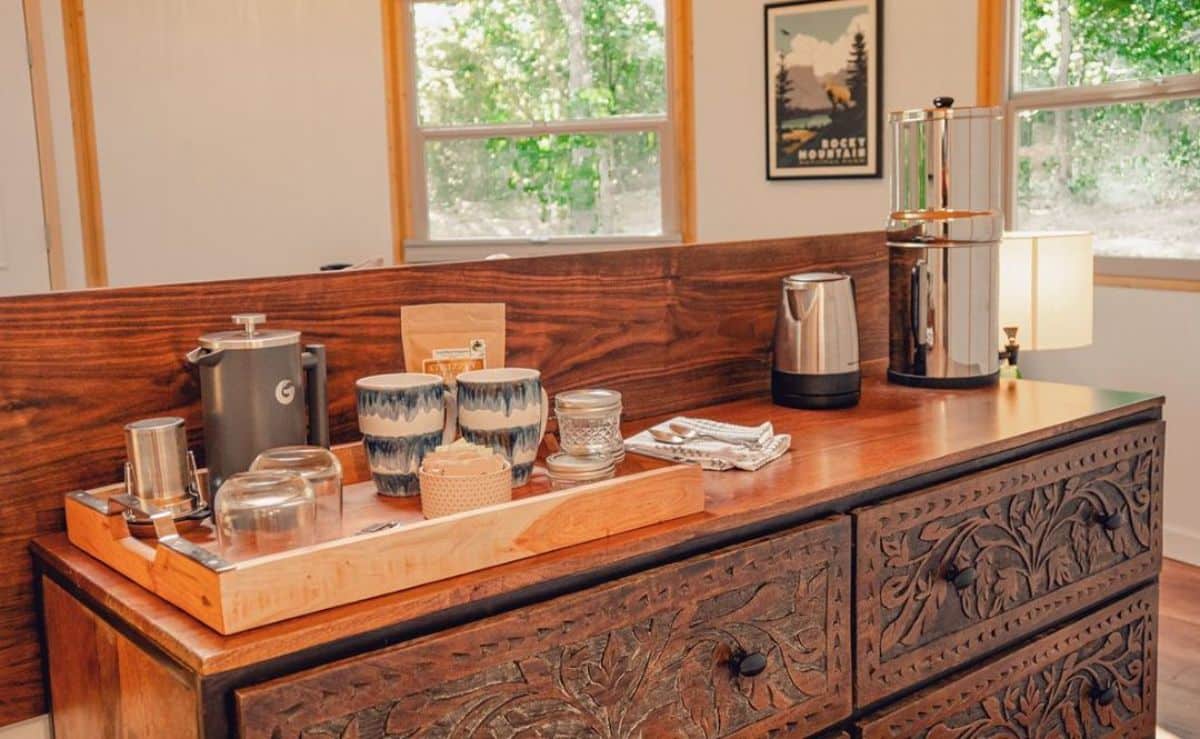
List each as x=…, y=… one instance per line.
x=250, y=381
x=816, y=343
x=944, y=246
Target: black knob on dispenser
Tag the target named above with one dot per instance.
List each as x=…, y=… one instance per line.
x=943, y=102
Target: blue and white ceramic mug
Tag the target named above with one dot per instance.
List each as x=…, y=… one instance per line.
x=403, y=416
x=505, y=409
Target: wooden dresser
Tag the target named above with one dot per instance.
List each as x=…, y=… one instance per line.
x=928, y=564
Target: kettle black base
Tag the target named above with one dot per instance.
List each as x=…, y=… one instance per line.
x=816, y=392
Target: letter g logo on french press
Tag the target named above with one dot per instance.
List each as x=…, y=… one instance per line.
x=285, y=392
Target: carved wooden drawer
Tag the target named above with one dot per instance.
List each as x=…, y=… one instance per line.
x=957, y=571
x=1094, y=678
x=654, y=654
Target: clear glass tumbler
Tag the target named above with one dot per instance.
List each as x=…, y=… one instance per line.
x=262, y=512
x=322, y=470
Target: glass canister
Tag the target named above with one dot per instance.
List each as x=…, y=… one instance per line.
x=321, y=468
x=568, y=470
x=589, y=422
x=266, y=511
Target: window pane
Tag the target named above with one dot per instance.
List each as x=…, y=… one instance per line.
x=544, y=186
x=1099, y=41
x=503, y=61
x=1129, y=173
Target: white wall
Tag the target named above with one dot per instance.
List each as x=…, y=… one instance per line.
x=1149, y=341
x=235, y=138
x=37, y=727
x=241, y=138
x=24, y=267
x=928, y=50
x=64, y=143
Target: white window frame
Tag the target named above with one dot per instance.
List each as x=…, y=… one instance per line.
x=1174, y=87
x=419, y=247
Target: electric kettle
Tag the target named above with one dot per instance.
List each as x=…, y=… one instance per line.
x=816, y=343
x=250, y=380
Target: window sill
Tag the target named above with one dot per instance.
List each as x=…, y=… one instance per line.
x=1148, y=274
x=424, y=252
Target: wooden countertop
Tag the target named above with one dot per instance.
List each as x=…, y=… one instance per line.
x=838, y=459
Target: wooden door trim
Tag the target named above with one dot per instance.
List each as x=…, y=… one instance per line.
x=395, y=18
x=989, y=72
x=83, y=125
x=683, y=116
x=40, y=87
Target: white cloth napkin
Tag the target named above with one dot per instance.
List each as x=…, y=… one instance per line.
x=715, y=453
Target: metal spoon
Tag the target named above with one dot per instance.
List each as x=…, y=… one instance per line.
x=667, y=437
x=691, y=432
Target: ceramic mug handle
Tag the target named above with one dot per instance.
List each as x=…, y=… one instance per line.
x=545, y=417
x=450, y=409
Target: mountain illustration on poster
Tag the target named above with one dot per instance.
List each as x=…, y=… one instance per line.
x=822, y=89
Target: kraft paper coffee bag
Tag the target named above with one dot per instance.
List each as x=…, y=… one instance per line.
x=448, y=338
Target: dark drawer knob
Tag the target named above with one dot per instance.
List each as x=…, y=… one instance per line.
x=1105, y=696
x=961, y=577
x=747, y=665
x=1112, y=521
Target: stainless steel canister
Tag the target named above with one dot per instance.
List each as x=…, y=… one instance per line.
x=944, y=237
x=159, y=470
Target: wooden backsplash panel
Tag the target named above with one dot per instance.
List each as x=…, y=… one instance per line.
x=669, y=327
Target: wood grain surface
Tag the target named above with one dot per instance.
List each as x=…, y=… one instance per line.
x=893, y=435
x=1031, y=539
x=669, y=327
x=1179, y=649
x=107, y=685
x=647, y=655
x=1050, y=688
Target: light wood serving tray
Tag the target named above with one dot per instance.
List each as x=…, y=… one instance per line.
x=187, y=569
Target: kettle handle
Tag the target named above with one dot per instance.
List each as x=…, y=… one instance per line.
x=315, y=394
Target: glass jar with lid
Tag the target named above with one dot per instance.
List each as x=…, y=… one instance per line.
x=589, y=422
x=567, y=470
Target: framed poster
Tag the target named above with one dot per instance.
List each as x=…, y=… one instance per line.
x=824, y=89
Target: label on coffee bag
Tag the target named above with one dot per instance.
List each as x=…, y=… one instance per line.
x=449, y=363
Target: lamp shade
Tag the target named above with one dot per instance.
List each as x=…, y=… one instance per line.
x=1046, y=288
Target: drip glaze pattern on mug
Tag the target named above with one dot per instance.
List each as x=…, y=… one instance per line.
x=391, y=454
x=521, y=473
x=397, y=486
x=500, y=396
x=408, y=402
x=512, y=442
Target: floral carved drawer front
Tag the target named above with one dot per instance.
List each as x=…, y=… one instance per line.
x=751, y=639
x=959, y=570
x=1094, y=678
